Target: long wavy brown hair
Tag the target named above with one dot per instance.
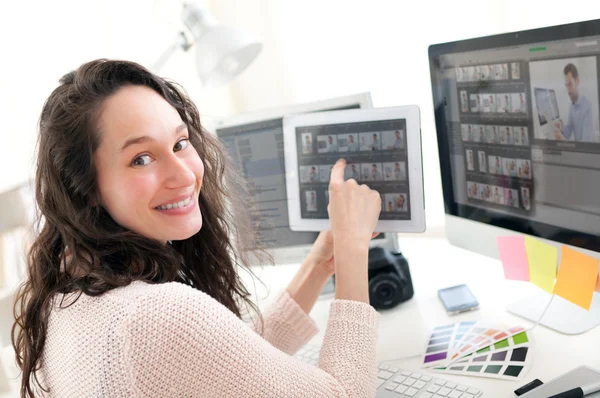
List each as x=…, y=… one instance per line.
x=80, y=249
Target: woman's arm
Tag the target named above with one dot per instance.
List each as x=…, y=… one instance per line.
x=287, y=325
x=307, y=284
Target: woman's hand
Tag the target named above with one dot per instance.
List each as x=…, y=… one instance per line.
x=321, y=254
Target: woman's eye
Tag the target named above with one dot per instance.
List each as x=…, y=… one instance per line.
x=182, y=144
x=141, y=160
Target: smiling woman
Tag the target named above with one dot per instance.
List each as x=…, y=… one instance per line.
x=133, y=286
x=148, y=183
x=124, y=167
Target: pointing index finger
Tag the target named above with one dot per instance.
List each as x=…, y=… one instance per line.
x=337, y=173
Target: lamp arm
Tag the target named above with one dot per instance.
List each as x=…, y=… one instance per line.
x=181, y=41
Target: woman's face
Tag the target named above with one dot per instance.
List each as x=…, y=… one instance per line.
x=148, y=174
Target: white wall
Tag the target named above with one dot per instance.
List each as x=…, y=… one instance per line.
x=42, y=40
x=316, y=49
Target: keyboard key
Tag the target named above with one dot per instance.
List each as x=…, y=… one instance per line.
x=399, y=379
x=454, y=394
x=384, y=367
x=462, y=388
x=391, y=386
x=384, y=374
x=409, y=382
x=379, y=382
x=467, y=395
x=426, y=395
x=406, y=373
x=411, y=392
x=426, y=378
x=439, y=382
x=419, y=384
x=401, y=389
x=444, y=391
x=451, y=385
x=416, y=375
x=393, y=369
x=433, y=389
x=473, y=391
x=437, y=396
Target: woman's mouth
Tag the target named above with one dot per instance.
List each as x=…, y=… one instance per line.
x=179, y=207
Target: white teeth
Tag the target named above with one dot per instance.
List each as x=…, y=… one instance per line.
x=175, y=205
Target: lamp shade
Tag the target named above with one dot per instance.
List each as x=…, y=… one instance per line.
x=223, y=52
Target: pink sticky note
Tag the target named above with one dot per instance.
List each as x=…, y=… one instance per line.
x=514, y=257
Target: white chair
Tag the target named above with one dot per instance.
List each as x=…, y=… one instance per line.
x=16, y=211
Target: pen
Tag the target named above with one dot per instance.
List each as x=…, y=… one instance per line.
x=579, y=391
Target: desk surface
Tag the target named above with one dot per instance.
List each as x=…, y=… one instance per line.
x=434, y=264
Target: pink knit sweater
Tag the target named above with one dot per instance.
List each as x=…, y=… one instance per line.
x=170, y=340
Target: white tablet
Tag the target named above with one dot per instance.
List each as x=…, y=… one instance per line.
x=382, y=148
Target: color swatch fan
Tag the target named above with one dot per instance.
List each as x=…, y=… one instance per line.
x=479, y=349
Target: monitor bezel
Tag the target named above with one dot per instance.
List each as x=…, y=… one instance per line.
x=297, y=253
x=451, y=207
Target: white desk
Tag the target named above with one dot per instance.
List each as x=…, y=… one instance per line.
x=434, y=263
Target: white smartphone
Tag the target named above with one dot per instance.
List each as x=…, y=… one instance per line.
x=457, y=299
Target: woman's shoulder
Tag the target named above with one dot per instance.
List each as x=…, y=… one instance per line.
x=161, y=292
x=172, y=297
x=131, y=295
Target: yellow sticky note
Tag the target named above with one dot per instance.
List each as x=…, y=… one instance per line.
x=543, y=261
x=576, y=277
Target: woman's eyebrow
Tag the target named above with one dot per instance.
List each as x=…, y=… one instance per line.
x=145, y=138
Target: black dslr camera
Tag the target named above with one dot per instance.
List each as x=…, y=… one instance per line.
x=389, y=279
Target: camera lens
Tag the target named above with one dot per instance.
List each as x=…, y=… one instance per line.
x=385, y=290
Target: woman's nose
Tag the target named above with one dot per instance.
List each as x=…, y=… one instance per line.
x=178, y=174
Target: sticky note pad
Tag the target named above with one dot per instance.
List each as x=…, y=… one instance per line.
x=576, y=277
x=543, y=261
x=514, y=257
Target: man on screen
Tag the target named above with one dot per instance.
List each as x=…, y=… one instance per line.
x=331, y=147
x=399, y=142
x=352, y=145
x=375, y=173
x=307, y=147
x=581, y=124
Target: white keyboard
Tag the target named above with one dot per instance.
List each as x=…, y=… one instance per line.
x=394, y=382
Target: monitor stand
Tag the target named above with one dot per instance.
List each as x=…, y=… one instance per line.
x=561, y=315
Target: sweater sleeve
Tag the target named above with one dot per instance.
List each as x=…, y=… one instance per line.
x=181, y=342
x=286, y=325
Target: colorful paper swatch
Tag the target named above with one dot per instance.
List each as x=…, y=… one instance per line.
x=576, y=278
x=483, y=336
x=441, y=340
x=512, y=364
x=514, y=257
x=509, y=358
x=543, y=262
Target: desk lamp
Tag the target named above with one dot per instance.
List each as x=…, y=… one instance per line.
x=222, y=52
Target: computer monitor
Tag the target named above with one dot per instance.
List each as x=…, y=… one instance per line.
x=527, y=159
x=255, y=141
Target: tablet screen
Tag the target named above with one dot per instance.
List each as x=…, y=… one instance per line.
x=376, y=155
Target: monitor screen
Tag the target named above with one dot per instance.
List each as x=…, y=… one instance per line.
x=257, y=148
x=375, y=153
x=517, y=119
